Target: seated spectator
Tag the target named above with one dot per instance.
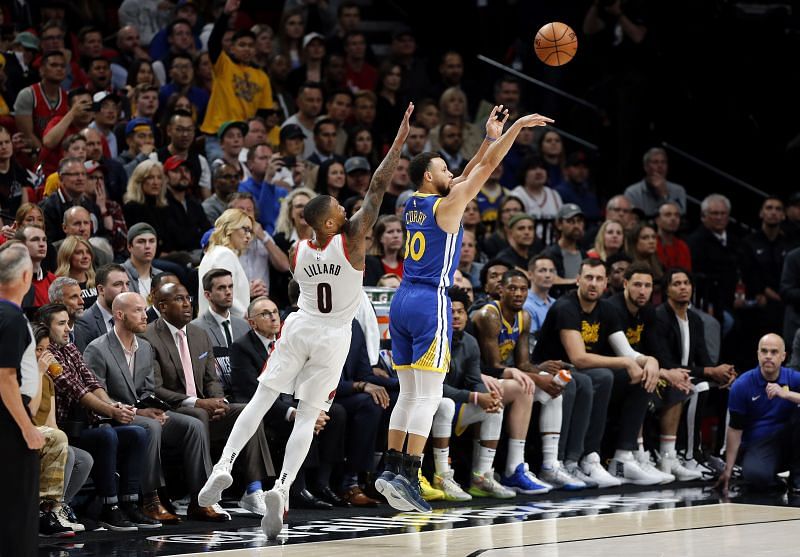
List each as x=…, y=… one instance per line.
x=36, y=241
x=654, y=189
x=451, y=139
x=291, y=227
x=467, y=263
x=331, y=179
x=67, y=291
x=118, y=449
x=181, y=80
x=386, y=250
x=490, y=197
x=610, y=239
x=97, y=320
x=497, y=241
x=72, y=191
x=576, y=187
x=75, y=258
x=110, y=210
x=643, y=248
x=671, y=250
x=617, y=264
x=16, y=185
x=542, y=270
x=145, y=199
x=763, y=421
x=620, y=209
x=522, y=241
x=541, y=201
x=175, y=432
x=232, y=233
x=141, y=145
x=491, y=277
x=187, y=220
x=225, y=181
x=188, y=382
x=453, y=107
x=78, y=222
x=180, y=130
x=154, y=298
x=471, y=221
x=551, y=149
x=566, y=252
x=361, y=143
x=231, y=142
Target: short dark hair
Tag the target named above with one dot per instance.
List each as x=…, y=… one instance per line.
x=89, y=29
x=50, y=54
x=40, y=332
x=87, y=63
x=515, y=273
x=175, y=22
x=540, y=257
x=666, y=280
x=617, y=257
x=639, y=268
x=155, y=284
x=458, y=294
x=592, y=262
x=179, y=113
x=316, y=210
x=419, y=166
x=102, y=273
x=46, y=313
x=208, y=278
x=492, y=263
x=321, y=122
x=77, y=92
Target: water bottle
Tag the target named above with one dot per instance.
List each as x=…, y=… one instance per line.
x=562, y=378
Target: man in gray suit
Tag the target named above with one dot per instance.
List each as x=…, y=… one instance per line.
x=185, y=379
x=96, y=321
x=222, y=327
x=124, y=365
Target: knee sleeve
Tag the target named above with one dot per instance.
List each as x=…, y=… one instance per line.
x=491, y=426
x=406, y=401
x=443, y=419
x=420, y=421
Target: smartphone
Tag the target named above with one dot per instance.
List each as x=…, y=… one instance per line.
x=289, y=161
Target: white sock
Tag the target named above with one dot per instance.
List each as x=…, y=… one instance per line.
x=623, y=455
x=667, y=445
x=549, y=450
x=441, y=459
x=484, y=462
x=640, y=442
x=516, y=455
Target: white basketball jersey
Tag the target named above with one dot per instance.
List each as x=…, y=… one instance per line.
x=329, y=286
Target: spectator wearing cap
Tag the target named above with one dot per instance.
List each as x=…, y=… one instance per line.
x=358, y=173
x=267, y=196
x=567, y=252
x=576, y=187
x=649, y=193
x=230, y=101
x=360, y=75
x=181, y=81
x=294, y=172
x=106, y=114
x=80, y=115
x=324, y=141
x=187, y=220
x=312, y=69
x=19, y=68
x=142, y=246
x=181, y=133
x=522, y=241
x=38, y=104
x=231, y=142
x=141, y=144
x=309, y=106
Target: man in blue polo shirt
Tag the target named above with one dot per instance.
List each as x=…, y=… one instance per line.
x=763, y=405
x=268, y=196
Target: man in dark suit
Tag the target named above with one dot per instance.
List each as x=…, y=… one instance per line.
x=222, y=327
x=124, y=365
x=96, y=321
x=248, y=356
x=186, y=379
x=682, y=344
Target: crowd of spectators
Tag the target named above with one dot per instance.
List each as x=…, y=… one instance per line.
x=157, y=173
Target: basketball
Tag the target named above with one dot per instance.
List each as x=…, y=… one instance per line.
x=555, y=43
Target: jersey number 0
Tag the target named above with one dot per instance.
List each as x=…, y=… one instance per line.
x=324, y=297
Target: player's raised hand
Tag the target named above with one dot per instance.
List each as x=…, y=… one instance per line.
x=533, y=120
x=405, y=125
x=496, y=122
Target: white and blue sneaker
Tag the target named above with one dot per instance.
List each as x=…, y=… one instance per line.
x=524, y=481
x=558, y=477
x=409, y=493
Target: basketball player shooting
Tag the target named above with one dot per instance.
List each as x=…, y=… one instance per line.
x=308, y=358
x=420, y=314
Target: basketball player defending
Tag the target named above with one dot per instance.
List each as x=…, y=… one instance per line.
x=420, y=315
x=308, y=358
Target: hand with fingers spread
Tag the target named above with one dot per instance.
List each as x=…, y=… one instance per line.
x=496, y=122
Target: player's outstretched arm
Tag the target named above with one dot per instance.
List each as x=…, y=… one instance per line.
x=365, y=218
x=451, y=208
x=494, y=128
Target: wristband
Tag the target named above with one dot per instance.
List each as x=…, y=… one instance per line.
x=489, y=139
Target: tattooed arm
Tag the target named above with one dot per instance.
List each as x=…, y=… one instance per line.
x=365, y=218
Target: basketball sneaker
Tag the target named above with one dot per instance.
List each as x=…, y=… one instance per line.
x=408, y=492
x=574, y=470
x=253, y=502
x=671, y=464
x=524, y=481
x=428, y=492
x=274, y=503
x=559, y=478
x=219, y=480
x=630, y=472
x=452, y=491
x=66, y=517
x=590, y=465
x=486, y=485
x=646, y=463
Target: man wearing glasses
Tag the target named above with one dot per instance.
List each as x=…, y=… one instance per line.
x=72, y=191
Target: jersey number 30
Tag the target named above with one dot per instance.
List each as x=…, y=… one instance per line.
x=415, y=246
x=324, y=297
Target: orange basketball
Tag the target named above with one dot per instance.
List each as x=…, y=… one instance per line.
x=555, y=43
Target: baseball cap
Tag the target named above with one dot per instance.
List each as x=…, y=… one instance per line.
x=576, y=158
x=518, y=217
x=569, y=210
x=92, y=166
x=99, y=97
x=131, y=126
x=27, y=40
x=354, y=164
x=231, y=124
x=140, y=228
x=292, y=131
x=310, y=37
x=174, y=162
